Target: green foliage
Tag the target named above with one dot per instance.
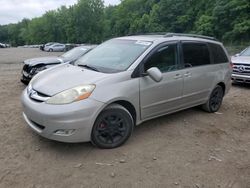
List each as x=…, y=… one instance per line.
x=89, y=21
x=204, y=25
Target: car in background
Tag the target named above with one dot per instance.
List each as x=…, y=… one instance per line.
x=241, y=67
x=33, y=66
x=46, y=45
x=57, y=47
x=70, y=46
x=124, y=82
x=2, y=45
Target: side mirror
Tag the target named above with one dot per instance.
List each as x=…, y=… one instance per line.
x=155, y=74
x=236, y=55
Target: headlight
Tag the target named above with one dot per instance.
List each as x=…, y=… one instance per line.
x=72, y=95
x=41, y=69
x=37, y=70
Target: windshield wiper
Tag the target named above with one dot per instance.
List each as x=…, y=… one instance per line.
x=89, y=67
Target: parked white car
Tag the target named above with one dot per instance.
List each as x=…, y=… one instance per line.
x=241, y=67
x=55, y=48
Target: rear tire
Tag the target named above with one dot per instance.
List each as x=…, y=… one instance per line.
x=215, y=100
x=113, y=127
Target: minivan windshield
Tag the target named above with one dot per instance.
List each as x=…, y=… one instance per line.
x=246, y=52
x=115, y=55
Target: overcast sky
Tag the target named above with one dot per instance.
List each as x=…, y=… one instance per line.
x=12, y=11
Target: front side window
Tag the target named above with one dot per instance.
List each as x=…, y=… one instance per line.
x=114, y=55
x=165, y=59
x=195, y=54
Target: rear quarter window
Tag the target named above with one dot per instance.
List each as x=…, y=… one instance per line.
x=218, y=54
x=195, y=54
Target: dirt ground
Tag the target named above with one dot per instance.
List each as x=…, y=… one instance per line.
x=188, y=149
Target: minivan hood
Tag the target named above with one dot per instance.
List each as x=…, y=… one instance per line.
x=241, y=59
x=43, y=60
x=63, y=77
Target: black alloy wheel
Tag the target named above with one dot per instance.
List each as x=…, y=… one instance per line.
x=112, y=127
x=215, y=100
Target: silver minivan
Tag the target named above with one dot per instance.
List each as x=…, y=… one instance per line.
x=124, y=82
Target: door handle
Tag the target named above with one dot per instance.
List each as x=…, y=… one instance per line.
x=178, y=76
x=187, y=74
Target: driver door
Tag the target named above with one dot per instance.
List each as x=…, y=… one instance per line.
x=158, y=98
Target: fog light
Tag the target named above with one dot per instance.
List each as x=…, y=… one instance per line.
x=64, y=132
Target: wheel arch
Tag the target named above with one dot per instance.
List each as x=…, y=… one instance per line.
x=129, y=106
x=223, y=85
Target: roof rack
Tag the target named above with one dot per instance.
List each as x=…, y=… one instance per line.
x=154, y=33
x=189, y=35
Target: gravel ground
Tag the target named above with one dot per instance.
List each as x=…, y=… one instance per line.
x=188, y=149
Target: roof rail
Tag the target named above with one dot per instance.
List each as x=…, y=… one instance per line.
x=154, y=33
x=189, y=35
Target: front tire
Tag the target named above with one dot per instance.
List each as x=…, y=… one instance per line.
x=50, y=50
x=215, y=100
x=113, y=127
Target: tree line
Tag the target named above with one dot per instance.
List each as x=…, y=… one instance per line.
x=89, y=21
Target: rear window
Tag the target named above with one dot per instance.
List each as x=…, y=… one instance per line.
x=195, y=54
x=218, y=54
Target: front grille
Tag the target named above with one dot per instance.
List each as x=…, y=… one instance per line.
x=241, y=80
x=41, y=127
x=240, y=68
x=241, y=73
x=37, y=100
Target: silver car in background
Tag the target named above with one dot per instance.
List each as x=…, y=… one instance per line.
x=124, y=82
x=241, y=67
x=57, y=47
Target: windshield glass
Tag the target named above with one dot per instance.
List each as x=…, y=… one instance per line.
x=74, y=53
x=246, y=52
x=114, y=55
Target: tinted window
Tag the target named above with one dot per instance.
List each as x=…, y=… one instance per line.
x=218, y=54
x=195, y=54
x=164, y=58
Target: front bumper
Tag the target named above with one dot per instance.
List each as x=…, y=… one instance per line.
x=25, y=79
x=240, y=78
x=46, y=119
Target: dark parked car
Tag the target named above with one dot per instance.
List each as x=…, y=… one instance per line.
x=33, y=66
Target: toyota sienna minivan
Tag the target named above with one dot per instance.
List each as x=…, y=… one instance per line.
x=124, y=82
